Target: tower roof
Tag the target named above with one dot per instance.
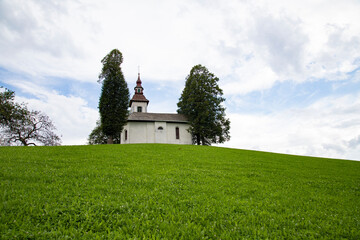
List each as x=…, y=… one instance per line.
x=138, y=82
x=139, y=95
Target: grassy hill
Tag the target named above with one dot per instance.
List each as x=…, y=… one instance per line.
x=172, y=191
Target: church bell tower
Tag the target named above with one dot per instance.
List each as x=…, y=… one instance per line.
x=138, y=103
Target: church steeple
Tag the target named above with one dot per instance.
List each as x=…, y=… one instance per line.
x=139, y=103
x=138, y=89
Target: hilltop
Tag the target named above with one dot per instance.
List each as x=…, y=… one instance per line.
x=175, y=191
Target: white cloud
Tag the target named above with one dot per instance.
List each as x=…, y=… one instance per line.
x=354, y=142
x=253, y=76
x=296, y=40
x=281, y=42
x=327, y=128
x=72, y=117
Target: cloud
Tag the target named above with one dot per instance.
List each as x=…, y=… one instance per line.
x=71, y=115
x=355, y=142
x=328, y=128
x=45, y=38
x=34, y=25
x=291, y=41
x=281, y=42
x=285, y=41
x=254, y=76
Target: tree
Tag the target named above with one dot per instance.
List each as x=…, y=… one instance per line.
x=20, y=125
x=98, y=137
x=8, y=108
x=114, y=99
x=201, y=102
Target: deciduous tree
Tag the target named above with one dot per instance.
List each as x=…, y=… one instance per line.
x=114, y=99
x=22, y=126
x=98, y=137
x=201, y=101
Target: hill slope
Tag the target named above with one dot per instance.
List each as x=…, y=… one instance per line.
x=172, y=191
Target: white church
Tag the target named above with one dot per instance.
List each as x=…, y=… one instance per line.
x=144, y=127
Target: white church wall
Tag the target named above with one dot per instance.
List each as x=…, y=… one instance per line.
x=160, y=132
x=184, y=135
x=150, y=136
x=137, y=132
x=149, y=132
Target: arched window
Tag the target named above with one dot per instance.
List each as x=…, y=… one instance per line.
x=177, y=133
x=160, y=128
x=125, y=135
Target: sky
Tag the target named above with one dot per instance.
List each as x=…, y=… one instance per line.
x=290, y=70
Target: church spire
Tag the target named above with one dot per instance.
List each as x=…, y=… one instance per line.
x=139, y=103
x=138, y=89
x=138, y=83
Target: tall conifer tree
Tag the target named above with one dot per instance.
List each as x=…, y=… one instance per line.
x=201, y=101
x=114, y=99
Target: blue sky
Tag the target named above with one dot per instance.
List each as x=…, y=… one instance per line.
x=290, y=70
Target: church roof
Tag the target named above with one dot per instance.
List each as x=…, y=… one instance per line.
x=138, y=98
x=139, y=95
x=157, y=117
x=138, y=82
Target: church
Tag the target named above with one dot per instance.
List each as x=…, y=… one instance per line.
x=144, y=127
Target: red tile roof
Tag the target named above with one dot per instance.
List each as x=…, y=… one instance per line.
x=139, y=98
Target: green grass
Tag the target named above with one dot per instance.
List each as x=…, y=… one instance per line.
x=172, y=192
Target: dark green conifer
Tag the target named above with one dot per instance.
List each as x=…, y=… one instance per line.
x=114, y=99
x=201, y=101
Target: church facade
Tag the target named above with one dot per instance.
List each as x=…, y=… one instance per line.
x=144, y=127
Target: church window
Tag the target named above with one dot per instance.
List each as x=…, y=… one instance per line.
x=160, y=128
x=139, y=109
x=138, y=90
x=177, y=132
x=125, y=135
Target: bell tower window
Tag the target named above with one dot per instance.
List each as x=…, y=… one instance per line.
x=139, y=109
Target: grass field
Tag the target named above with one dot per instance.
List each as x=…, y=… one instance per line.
x=173, y=192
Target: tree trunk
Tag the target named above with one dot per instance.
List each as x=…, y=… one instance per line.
x=23, y=141
x=198, y=139
x=110, y=140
